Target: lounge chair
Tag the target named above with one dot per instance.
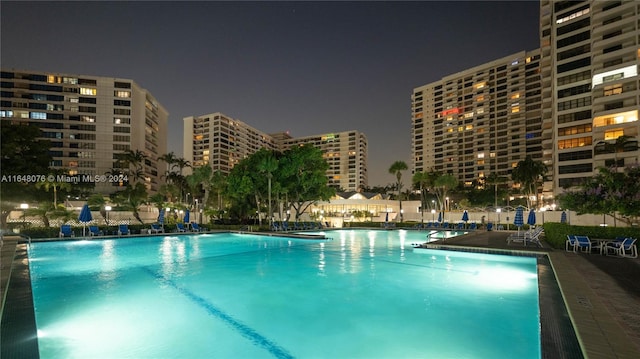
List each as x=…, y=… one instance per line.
x=95, y=231
x=584, y=244
x=285, y=226
x=66, y=231
x=627, y=248
x=532, y=236
x=473, y=226
x=196, y=227
x=123, y=230
x=460, y=226
x=489, y=226
x=275, y=226
x=156, y=228
x=180, y=227
x=571, y=242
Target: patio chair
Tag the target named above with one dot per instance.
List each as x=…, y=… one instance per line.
x=584, y=244
x=571, y=242
x=285, y=226
x=196, y=227
x=66, y=231
x=473, y=226
x=180, y=227
x=123, y=230
x=156, y=228
x=275, y=226
x=627, y=248
x=95, y=231
x=460, y=226
x=489, y=227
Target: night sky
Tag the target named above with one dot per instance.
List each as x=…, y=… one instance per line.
x=303, y=67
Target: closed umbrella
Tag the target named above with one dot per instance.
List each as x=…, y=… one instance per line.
x=465, y=217
x=161, y=217
x=85, y=217
x=519, y=218
x=440, y=217
x=531, y=220
x=563, y=217
x=186, y=217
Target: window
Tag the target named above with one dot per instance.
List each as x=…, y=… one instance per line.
x=574, y=142
x=574, y=130
x=613, y=75
x=613, y=134
x=615, y=119
x=613, y=90
x=38, y=115
x=122, y=94
x=88, y=91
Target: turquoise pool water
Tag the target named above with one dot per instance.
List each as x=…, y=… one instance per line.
x=363, y=294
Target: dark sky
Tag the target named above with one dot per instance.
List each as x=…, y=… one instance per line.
x=305, y=67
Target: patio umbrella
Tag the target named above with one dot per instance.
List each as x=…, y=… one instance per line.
x=386, y=217
x=439, y=216
x=563, y=217
x=186, y=217
x=85, y=217
x=161, y=217
x=531, y=220
x=465, y=217
x=519, y=218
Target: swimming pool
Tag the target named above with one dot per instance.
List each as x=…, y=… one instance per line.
x=363, y=294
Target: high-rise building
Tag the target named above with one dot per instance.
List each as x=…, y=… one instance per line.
x=346, y=154
x=572, y=104
x=479, y=121
x=591, y=53
x=221, y=142
x=89, y=121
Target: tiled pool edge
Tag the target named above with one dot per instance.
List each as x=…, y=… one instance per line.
x=18, y=338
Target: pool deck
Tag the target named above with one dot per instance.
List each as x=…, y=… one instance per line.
x=602, y=294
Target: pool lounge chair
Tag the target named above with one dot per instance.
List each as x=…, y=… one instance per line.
x=625, y=249
x=570, y=243
x=196, y=227
x=66, y=231
x=584, y=244
x=532, y=236
x=180, y=228
x=123, y=230
x=95, y=231
x=473, y=226
x=156, y=228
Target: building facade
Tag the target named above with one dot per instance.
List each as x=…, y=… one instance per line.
x=479, y=121
x=89, y=121
x=221, y=142
x=572, y=103
x=591, y=53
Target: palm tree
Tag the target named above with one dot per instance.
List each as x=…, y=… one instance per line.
x=396, y=169
x=529, y=174
x=495, y=180
x=268, y=164
x=422, y=180
x=54, y=185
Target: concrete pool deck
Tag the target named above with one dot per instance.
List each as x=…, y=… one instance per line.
x=602, y=294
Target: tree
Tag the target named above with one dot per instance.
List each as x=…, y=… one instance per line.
x=422, y=181
x=54, y=185
x=396, y=169
x=303, y=176
x=135, y=159
x=529, y=174
x=131, y=198
x=495, y=180
x=267, y=165
x=442, y=185
x=21, y=153
x=609, y=192
x=100, y=202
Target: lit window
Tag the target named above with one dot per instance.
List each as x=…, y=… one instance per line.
x=468, y=127
x=480, y=110
x=480, y=98
x=613, y=75
x=515, y=109
x=515, y=95
x=481, y=155
x=480, y=85
x=613, y=90
x=616, y=119
x=4, y=113
x=573, y=16
x=492, y=154
x=613, y=134
x=88, y=119
x=574, y=142
x=122, y=94
x=468, y=114
x=38, y=115
x=74, y=100
x=88, y=91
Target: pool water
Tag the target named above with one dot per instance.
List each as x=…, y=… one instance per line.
x=362, y=294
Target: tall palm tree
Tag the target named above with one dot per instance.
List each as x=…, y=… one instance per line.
x=268, y=164
x=529, y=174
x=54, y=185
x=396, y=169
x=495, y=180
x=422, y=181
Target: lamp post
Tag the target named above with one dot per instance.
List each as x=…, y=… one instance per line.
x=107, y=209
x=433, y=216
x=498, y=210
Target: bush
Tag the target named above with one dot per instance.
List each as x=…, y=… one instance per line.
x=556, y=233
